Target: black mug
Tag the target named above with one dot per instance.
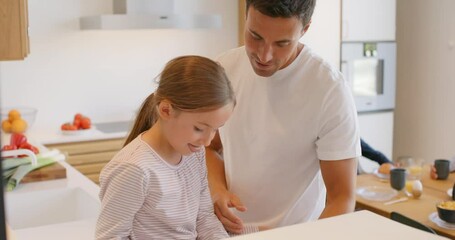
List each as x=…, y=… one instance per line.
x=442, y=168
x=453, y=192
x=398, y=178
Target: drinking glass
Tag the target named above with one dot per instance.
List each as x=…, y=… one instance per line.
x=413, y=166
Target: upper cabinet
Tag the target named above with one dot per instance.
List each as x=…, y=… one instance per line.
x=242, y=15
x=368, y=20
x=14, y=42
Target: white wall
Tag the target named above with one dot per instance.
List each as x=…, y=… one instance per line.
x=376, y=128
x=425, y=111
x=103, y=74
x=324, y=33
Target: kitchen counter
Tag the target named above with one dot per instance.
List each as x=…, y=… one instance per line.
x=55, y=136
x=357, y=225
x=64, y=208
x=76, y=204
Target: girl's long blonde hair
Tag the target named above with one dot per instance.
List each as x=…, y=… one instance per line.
x=190, y=83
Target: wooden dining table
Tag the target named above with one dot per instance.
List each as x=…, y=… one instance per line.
x=434, y=191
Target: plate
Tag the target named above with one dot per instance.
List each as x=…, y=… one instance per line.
x=77, y=132
x=377, y=193
x=380, y=175
x=441, y=223
x=449, y=192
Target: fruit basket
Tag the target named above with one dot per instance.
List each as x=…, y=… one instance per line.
x=17, y=119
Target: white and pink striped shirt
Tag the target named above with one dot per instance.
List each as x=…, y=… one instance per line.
x=144, y=197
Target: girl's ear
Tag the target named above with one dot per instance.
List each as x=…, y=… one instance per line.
x=165, y=110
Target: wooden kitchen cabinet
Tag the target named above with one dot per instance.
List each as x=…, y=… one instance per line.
x=14, y=40
x=90, y=157
x=242, y=15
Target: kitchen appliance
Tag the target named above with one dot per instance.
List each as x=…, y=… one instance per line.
x=148, y=14
x=370, y=69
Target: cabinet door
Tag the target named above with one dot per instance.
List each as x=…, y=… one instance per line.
x=323, y=36
x=14, y=43
x=368, y=20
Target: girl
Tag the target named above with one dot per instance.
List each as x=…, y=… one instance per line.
x=156, y=186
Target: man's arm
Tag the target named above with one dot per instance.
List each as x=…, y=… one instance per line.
x=215, y=166
x=221, y=197
x=339, y=178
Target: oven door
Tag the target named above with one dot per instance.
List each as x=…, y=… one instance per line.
x=370, y=69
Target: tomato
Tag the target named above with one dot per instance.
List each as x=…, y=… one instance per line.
x=85, y=123
x=77, y=123
x=78, y=116
x=68, y=127
x=17, y=139
x=29, y=147
x=9, y=147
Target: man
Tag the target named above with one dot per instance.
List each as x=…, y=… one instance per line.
x=290, y=148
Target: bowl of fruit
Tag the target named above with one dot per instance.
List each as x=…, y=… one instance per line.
x=17, y=119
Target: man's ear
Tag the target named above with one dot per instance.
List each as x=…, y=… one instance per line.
x=165, y=110
x=306, y=27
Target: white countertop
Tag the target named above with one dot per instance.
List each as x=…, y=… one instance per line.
x=354, y=226
x=73, y=179
x=68, y=230
x=55, y=136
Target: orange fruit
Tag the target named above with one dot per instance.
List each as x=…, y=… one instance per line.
x=18, y=126
x=385, y=168
x=13, y=115
x=6, y=126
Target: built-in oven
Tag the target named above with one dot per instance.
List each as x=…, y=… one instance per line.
x=370, y=69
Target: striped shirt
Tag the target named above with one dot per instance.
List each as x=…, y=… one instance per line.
x=144, y=197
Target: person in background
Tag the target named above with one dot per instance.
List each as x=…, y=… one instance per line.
x=373, y=154
x=156, y=186
x=288, y=153
x=369, y=152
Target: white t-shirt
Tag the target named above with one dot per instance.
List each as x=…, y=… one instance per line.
x=281, y=127
x=144, y=197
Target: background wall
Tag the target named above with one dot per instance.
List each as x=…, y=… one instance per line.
x=324, y=33
x=107, y=74
x=425, y=111
x=103, y=74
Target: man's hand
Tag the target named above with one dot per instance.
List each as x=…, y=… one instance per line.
x=221, y=197
x=222, y=202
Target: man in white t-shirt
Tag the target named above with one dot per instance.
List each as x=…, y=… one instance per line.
x=288, y=153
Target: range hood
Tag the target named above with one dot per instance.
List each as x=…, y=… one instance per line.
x=148, y=14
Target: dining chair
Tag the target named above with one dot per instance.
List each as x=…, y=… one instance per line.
x=410, y=222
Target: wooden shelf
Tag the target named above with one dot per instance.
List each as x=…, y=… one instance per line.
x=89, y=158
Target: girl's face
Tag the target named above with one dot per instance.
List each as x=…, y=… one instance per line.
x=188, y=132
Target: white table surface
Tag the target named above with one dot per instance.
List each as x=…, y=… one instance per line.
x=357, y=225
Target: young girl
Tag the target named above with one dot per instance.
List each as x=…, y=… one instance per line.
x=156, y=186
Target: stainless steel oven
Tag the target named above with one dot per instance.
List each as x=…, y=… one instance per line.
x=370, y=69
